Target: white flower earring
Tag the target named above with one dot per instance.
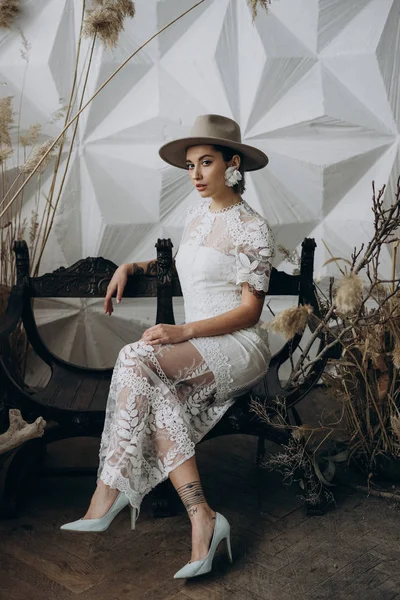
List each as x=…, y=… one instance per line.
x=232, y=176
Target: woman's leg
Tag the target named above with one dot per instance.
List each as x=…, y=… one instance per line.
x=101, y=502
x=154, y=430
x=186, y=481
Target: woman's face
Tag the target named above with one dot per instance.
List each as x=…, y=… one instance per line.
x=207, y=170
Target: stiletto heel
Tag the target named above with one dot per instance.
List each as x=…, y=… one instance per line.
x=133, y=517
x=200, y=567
x=228, y=547
x=104, y=522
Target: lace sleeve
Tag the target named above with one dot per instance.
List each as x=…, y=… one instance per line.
x=254, y=256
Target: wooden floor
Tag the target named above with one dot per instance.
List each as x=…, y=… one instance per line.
x=279, y=553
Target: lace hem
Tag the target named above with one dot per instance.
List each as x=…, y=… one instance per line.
x=258, y=282
x=112, y=477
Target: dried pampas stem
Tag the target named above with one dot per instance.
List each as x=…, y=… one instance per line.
x=103, y=85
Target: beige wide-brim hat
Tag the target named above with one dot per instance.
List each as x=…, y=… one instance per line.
x=213, y=129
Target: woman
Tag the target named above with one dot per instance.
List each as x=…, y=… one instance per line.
x=173, y=385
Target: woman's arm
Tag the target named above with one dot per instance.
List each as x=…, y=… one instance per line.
x=148, y=267
x=245, y=315
x=142, y=268
x=120, y=278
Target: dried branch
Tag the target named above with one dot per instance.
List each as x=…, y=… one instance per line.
x=364, y=320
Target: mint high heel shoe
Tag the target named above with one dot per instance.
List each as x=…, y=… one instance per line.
x=222, y=531
x=104, y=522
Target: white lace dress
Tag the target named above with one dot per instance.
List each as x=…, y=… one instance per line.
x=165, y=398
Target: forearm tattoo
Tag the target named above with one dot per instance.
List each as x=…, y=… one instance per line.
x=258, y=294
x=137, y=270
x=150, y=270
x=191, y=494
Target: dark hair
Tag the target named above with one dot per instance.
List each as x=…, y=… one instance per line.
x=227, y=155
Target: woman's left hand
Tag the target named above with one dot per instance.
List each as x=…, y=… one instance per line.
x=165, y=334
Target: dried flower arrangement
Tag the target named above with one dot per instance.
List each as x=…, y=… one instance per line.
x=360, y=316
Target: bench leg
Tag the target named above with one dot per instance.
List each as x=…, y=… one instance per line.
x=260, y=451
x=8, y=508
x=18, y=475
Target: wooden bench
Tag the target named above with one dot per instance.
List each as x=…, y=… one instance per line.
x=75, y=397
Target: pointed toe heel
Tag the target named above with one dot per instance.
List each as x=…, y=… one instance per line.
x=222, y=531
x=104, y=522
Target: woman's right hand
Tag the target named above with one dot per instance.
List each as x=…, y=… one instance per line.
x=117, y=284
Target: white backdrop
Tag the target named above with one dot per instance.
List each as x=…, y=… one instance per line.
x=315, y=84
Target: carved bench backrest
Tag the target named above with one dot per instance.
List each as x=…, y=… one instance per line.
x=89, y=278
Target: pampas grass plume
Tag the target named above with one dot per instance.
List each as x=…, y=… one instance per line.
x=6, y=120
x=290, y=321
x=5, y=153
x=9, y=9
x=395, y=424
x=32, y=135
x=396, y=355
x=256, y=4
x=37, y=156
x=349, y=294
x=106, y=20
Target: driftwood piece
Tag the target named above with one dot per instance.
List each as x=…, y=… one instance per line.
x=20, y=431
x=378, y=493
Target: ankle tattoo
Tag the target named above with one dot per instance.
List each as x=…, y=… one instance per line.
x=191, y=494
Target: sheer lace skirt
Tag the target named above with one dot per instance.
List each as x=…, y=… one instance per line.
x=162, y=401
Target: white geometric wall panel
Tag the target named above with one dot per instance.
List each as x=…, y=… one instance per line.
x=313, y=83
